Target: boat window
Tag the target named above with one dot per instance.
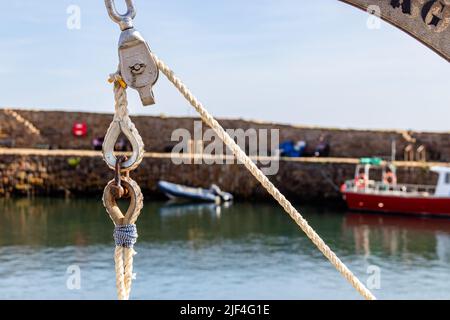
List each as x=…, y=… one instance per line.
x=447, y=178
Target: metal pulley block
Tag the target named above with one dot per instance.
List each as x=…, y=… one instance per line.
x=136, y=65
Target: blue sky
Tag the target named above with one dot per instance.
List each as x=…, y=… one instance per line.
x=308, y=62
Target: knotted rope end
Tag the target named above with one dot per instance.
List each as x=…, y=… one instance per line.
x=117, y=78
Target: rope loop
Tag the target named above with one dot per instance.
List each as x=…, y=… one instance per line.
x=133, y=192
x=122, y=124
x=125, y=232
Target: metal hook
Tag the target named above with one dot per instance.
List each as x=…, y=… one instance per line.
x=119, y=162
x=125, y=21
x=117, y=190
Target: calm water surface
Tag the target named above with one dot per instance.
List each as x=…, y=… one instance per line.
x=245, y=251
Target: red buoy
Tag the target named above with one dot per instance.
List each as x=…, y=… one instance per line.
x=79, y=129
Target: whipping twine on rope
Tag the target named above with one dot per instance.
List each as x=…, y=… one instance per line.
x=125, y=237
x=255, y=171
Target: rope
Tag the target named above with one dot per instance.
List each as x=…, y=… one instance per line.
x=123, y=258
x=125, y=236
x=259, y=175
x=120, y=283
x=120, y=96
x=128, y=254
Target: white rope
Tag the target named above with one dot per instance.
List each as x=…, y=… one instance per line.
x=120, y=284
x=123, y=256
x=120, y=96
x=128, y=254
x=259, y=175
x=123, y=259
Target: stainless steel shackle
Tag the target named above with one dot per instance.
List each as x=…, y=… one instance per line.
x=125, y=21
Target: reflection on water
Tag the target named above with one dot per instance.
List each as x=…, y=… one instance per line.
x=399, y=236
x=180, y=209
x=205, y=251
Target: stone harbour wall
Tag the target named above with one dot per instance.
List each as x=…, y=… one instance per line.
x=55, y=132
x=27, y=168
x=77, y=175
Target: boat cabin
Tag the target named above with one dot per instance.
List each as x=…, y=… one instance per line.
x=443, y=183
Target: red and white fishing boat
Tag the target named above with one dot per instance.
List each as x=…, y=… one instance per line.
x=389, y=196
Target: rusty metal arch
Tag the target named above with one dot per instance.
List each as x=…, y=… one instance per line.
x=428, y=21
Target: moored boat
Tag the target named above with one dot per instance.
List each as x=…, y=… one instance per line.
x=180, y=192
x=388, y=196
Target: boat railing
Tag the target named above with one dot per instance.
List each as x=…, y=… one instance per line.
x=372, y=186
